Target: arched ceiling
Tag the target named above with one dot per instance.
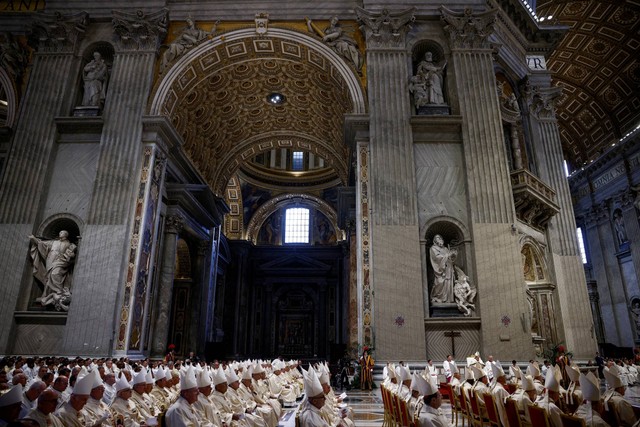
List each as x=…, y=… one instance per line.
x=597, y=65
x=218, y=103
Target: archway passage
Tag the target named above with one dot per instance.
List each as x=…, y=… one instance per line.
x=262, y=119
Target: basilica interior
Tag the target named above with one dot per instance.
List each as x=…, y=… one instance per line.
x=243, y=179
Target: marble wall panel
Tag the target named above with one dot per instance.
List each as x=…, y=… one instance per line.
x=14, y=253
x=97, y=276
x=72, y=180
x=399, y=311
x=501, y=300
x=440, y=182
x=38, y=339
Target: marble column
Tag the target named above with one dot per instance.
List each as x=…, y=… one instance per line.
x=491, y=207
x=173, y=225
x=199, y=299
x=561, y=231
x=51, y=94
x=396, y=276
x=632, y=227
x=594, y=299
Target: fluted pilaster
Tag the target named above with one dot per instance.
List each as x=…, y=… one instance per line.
x=491, y=207
x=397, y=300
x=571, y=281
x=173, y=226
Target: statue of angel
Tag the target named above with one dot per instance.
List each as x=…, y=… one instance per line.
x=188, y=38
x=464, y=293
x=337, y=38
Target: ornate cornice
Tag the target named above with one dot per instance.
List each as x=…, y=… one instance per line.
x=173, y=224
x=58, y=33
x=140, y=31
x=597, y=214
x=466, y=30
x=385, y=29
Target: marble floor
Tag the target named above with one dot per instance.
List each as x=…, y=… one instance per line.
x=368, y=410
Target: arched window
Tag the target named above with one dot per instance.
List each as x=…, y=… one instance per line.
x=296, y=225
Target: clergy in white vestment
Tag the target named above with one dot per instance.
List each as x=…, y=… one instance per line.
x=122, y=409
x=614, y=396
x=109, y=383
x=549, y=399
x=430, y=414
x=97, y=412
x=10, y=405
x=514, y=372
x=525, y=397
x=310, y=415
x=573, y=393
x=538, y=380
x=404, y=382
x=591, y=408
x=139, y=387
x=449, y=367
x=30, y=397
x=431, y=371
x=71, y=413
x=43, y=412
x=182, y=413
x=499, y=393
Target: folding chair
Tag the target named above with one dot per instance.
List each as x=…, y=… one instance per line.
x=492, y=411
x=513, y=415
x=539, y=416
x=455, y=405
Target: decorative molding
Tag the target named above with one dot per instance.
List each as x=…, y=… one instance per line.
x=541, y=101
x=140, y=31
x=173, y=224
x=59, y=33
x=466, y=30
x=386, y=29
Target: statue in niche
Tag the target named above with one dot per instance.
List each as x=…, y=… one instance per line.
x=464, y=293
x=339, y=40
x=635, y=311
x=427, y=83
x=95, y=75
x=188, y=38
x=442, y=261
x=52, y=263
x=618, y=224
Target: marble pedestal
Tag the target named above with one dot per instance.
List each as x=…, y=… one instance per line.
x=86, y=111
x=444, y=310
x=434, y=110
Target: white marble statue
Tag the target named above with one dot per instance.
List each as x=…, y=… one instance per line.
x=464, y=294
x=337, y=38
x=188, y=38
x=442, y=261
x=52, y=261
x=428, y=82
x=95, y=75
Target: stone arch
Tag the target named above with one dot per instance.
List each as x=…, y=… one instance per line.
x=432, y=224
x=8, y=88
x=284, y=200
x=215, y=97
x=533, y=252
x=50, y=227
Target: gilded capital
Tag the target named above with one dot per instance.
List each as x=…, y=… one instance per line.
x=57, y=33
x=385, y=29
x=140, y=31
x=467, y=30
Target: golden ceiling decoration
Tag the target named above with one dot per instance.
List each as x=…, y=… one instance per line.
x=218, y=104
x=597, y=65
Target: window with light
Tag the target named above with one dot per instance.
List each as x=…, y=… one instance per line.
x=297, y=161
x=583, y=253
x=296, y=225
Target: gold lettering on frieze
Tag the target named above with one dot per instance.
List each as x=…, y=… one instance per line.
x=608, y=176
x=22, y=5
